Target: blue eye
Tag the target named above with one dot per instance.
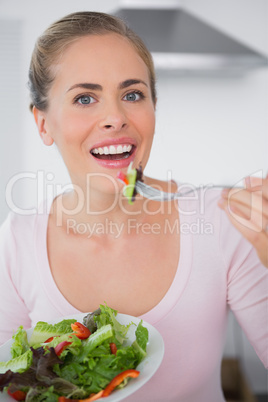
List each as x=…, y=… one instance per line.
x=85, y=100
x=134, y=96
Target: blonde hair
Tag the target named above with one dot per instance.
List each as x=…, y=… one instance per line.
x=62, y=33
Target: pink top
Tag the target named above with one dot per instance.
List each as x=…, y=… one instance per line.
x=218, y=269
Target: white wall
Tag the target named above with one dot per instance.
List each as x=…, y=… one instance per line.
x=212, y=129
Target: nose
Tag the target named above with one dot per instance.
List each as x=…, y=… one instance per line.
x=114, y=119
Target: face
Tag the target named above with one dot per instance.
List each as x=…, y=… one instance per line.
x=101, y=114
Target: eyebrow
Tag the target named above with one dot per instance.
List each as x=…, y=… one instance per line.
x=128, y=83
x=98, y=87
x=86, y=85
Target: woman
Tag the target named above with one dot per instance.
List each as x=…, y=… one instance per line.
x=93, y=94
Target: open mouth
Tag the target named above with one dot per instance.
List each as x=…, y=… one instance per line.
x=113, y=152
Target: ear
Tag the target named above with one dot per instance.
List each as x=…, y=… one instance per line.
x=40, y=119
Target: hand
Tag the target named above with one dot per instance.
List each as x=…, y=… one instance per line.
x=247, y=210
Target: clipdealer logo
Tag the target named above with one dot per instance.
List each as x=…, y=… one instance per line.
x=133, y=226
x=45, y=190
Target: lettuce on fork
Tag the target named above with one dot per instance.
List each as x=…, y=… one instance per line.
x=56, y=362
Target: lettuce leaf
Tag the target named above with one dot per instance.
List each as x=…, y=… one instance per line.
x=140, y=344
x=84, y=367
x=74, y=347
x=18, y=364
x=128, y=190
x=108, y=316
x=98, y=337
x=89, y=320
x=43, y=331
x=20, y=344
x=40, y=394
x=40, y=376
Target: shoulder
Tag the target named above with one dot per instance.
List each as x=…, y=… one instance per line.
x=19, y=238
x=15, y=224
x=19, y=229
x=16, y=234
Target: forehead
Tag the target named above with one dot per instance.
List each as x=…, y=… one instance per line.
x=100, y=58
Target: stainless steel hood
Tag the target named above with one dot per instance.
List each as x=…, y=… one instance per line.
x=181, y=42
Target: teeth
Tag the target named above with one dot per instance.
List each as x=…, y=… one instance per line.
x=119, y=149
x=112, y=150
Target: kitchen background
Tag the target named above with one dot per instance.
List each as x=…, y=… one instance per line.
x=212, y=120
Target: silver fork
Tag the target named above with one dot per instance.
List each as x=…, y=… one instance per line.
x=158, y=195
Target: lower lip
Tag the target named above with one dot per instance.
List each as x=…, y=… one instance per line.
x=115, y=164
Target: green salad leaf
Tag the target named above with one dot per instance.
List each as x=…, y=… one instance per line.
x=20, y=344
x=18, y=364
x=108, y=316
x=43, y=330
x=129, y=189
x=83, y=367
x=140, y=343
x=40, y=376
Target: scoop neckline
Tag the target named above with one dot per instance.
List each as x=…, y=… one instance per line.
x=160, y=310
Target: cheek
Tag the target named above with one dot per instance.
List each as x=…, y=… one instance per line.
x=147, y=124
x=147, y=129
x=70, y=129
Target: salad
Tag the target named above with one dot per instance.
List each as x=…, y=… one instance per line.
x=130, y=179
x=71, y=361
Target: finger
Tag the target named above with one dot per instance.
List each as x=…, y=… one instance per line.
x=255, y=183
x=239, y=219
x=250, y=216
x=241, y=209
x=249, y=200
x=258, y=238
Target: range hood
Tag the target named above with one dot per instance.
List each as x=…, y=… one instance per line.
x=181, y=42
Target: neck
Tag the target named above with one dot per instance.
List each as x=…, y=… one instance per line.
x=88, y=208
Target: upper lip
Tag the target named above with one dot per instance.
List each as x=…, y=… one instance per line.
x=114, y=141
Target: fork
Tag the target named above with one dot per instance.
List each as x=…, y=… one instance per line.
x=158, y=195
